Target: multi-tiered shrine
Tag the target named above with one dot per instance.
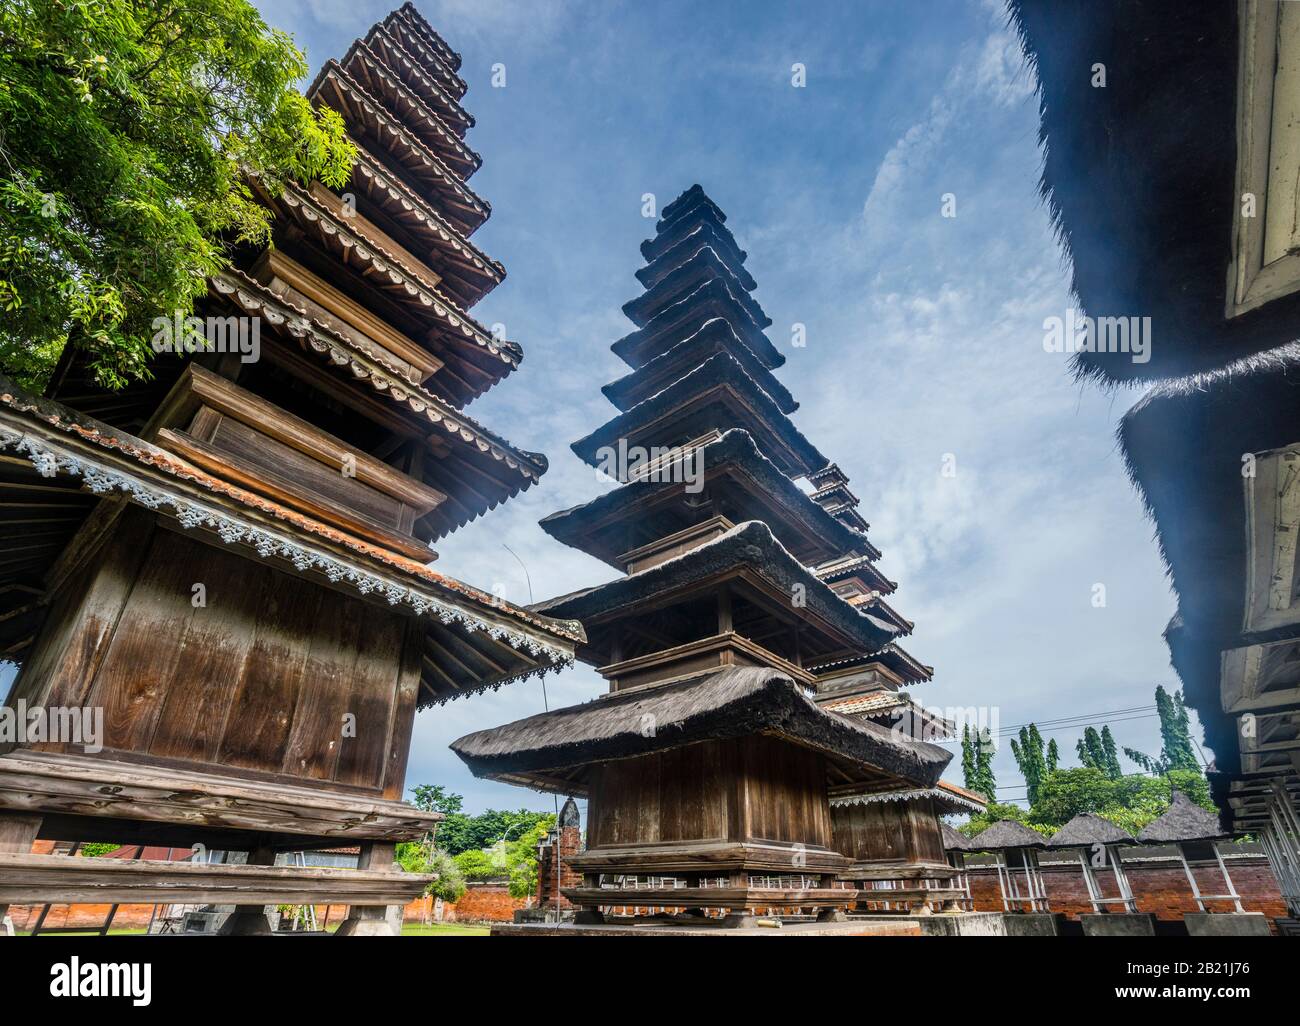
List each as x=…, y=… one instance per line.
x=755, y=678
x=231, y=561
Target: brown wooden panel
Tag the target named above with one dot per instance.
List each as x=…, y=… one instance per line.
x=213, y=651
x=82, y=617
x=273, y=676
x=143, y=656
x=371, y=698
x=313, y=746
x=403, y=716
x=303, y=473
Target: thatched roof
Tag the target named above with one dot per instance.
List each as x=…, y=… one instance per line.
x=715, y=298
x=1183, y=445
x=1139, y=176
x=1004, y=834
x=1087, y=829
x=953, y=840
x=750, y=546
x=699, y=393
x=1185, y=821
x=735, y=452
x=715, y=335
x=730, y=703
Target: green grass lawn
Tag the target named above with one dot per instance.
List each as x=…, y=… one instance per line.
x=443, y=930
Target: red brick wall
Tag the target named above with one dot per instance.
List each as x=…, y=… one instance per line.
x=570, y=842
x=1160, y=888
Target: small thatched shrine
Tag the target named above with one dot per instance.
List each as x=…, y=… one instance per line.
x=1015, y=849
x=1098, y=841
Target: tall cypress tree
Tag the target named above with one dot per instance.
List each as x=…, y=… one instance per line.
x=1111, y=764
x=1053, y=756
x=1028, y=752
x=986, y=782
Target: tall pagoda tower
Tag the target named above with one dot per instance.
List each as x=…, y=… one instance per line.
x=231, y=562
x=748, y=646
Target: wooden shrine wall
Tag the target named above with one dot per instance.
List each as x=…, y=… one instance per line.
x=259, y=678
x=888, y=832
x=756, y=788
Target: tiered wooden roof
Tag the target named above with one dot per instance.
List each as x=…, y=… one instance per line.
x=231, y=559
x=717, y=505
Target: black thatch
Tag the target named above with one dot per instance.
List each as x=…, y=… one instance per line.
x=1183, y=445
x=1139, y=176
x=954, y=840
x=750, y=545
x=702, y=266
x=690, y=202
x=730, y=703
x=735, y=450
x=1087, y=829
x=714, y=336
x=680, y=240
x=715, y=298
x=1004, y=834
x=1185, y=821
x=721, y=369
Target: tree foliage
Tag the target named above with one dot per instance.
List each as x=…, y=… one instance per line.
x=977, y=750
x=129, y=130
x=1029, y=756
x=1177, y=751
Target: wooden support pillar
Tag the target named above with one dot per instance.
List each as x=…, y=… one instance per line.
x=724, y=610
x=374, y=920
x=250, y=920
x=17, y=832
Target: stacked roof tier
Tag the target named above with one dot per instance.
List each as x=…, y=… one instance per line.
x=229, y=561
x=718, y=724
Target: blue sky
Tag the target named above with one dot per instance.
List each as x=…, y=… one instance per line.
x=924, y=332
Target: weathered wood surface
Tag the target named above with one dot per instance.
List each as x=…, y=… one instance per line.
x=92, y=786
x=260, y=678
x=889, y=832
x=41, y=879
x=713, y=897
x=748, y=789
x=708, y=858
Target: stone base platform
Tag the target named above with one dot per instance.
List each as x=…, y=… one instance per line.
x=1119, y=924
x=1235, y=924
x=962, y=924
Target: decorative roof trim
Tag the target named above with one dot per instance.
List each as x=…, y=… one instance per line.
x=50, y=460
x=374, y=170
x=440, y=128
x=50, y=457
x=431, y=160
x=381, y=29
x=385, y=263
x=940, y=793
x=252, y=296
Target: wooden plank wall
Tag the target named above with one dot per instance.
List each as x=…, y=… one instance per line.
x=757, y=788
x=889, y=832
x=259, y=679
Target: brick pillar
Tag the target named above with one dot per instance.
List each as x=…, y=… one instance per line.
x=567, y=837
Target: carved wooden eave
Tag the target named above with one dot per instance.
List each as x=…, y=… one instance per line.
x=399, y=60
x=463, y=265
x=387, y=273
x=950, y=799
x=862, y=566
x=439, y=61
x=109, y=464
x=384, y=376
x=335, y=88
x=369, y=72
x=894, y=657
